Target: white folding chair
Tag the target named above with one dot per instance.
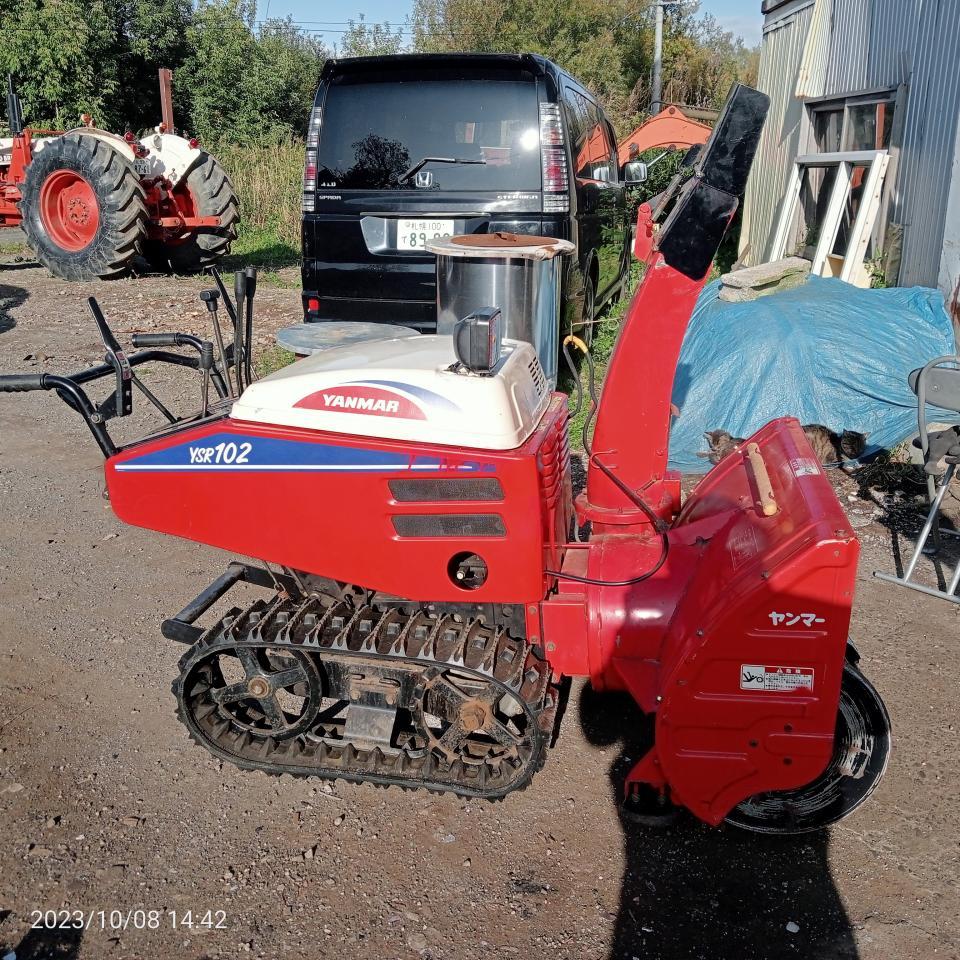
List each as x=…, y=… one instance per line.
x=937, y=384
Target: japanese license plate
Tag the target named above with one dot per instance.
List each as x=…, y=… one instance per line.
x=414, y=234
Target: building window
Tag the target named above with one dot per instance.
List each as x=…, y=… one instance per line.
x=853, y=123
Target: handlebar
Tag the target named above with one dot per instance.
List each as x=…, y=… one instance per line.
x=21, y=382
x=156, y=340
x=70, y=388
x=167, y=340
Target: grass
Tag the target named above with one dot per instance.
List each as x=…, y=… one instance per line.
x=271, y=359
x=268, y=181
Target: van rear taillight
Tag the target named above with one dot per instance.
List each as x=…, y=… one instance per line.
x=310, y=165
x=553, y=157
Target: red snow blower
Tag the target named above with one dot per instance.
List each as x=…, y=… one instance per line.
x=433, y=587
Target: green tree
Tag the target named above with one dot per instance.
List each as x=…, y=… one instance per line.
x=285, y=76
x=62, y=53
x=215, y=76
x=369, y=40
x=150, y=34
x=245, y=87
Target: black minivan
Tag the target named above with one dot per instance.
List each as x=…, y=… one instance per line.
x=402, y=149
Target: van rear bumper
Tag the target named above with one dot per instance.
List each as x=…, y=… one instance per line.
x=419, y=314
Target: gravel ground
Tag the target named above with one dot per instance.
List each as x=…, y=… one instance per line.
x=105, y=805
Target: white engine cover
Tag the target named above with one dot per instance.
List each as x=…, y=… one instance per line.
x=405, y=389
x=169, y=156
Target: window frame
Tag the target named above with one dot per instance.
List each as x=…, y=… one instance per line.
x=844, y=103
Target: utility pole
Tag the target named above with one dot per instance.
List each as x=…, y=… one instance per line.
x=656, y=103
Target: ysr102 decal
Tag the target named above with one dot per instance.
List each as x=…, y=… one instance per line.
x=227, y=452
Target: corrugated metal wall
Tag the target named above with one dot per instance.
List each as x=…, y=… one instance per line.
x=873, y=44
x=816, y=54
x=780, y=58
x=926, y=159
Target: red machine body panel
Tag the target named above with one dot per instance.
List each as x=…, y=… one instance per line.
x=385, y=514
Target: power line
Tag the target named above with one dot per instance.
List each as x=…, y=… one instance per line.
x=401, y=31
x=322, y=24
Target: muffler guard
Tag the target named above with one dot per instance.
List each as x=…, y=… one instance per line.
x=746, y=681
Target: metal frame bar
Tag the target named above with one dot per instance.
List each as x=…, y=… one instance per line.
x=181, y=627
x=830, y=226
x=866, y=217
x=862, y=157
x=70, y=390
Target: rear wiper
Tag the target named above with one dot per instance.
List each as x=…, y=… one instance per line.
x=420, y=164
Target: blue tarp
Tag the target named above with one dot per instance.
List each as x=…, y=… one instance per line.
x=825, y=352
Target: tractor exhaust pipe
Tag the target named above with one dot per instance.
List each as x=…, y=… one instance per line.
x=14, y=110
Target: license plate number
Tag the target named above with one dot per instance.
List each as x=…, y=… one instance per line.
x=415, y=234
x=141, y=167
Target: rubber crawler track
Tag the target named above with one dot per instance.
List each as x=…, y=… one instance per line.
x=337, y=631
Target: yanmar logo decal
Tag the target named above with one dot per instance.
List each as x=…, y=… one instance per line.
x=370, y=400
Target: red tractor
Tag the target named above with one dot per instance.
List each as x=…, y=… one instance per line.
x=90, y=201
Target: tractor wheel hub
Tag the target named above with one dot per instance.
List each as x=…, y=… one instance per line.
x=78, y=211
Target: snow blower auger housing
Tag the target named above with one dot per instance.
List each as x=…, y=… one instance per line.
x=428, y=595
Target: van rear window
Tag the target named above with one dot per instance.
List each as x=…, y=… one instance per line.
x=372, y=133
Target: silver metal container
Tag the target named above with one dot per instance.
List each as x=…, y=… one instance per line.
x=518, y=274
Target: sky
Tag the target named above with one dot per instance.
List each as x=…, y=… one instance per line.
x=742, y=17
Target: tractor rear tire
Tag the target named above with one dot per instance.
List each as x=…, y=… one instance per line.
x=210, y=195
x=83, y=208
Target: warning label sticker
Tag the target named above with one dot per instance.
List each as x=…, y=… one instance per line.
x=804, y=467
x=755, y=676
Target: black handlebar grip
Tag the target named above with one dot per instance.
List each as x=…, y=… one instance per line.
x=206, y=355
x=155, y=340
x=18, y=382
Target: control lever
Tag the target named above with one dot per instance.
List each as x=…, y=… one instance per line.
x=120, y=403
x=206, y=362
x=239, y=294
x=210, y=298
x=236, y=318
x=250, y=277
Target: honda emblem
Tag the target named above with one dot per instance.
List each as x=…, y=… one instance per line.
x=424, y=179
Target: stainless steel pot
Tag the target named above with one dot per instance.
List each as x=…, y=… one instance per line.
x=518, y=274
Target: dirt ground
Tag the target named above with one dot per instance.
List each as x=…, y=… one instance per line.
x=107, y=807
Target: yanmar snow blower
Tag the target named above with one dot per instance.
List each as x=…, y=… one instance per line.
x=431, y=587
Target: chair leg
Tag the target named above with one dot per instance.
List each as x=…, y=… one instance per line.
x=931, y=497
x=931, y=520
